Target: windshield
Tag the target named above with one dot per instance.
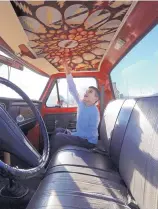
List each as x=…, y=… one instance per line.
x=30, y=82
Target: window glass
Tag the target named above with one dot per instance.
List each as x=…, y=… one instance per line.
x=53, y=98
x=66, y=100
x=137, y=73
x=29, y=81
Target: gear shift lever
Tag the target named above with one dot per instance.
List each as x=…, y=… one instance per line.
x=15, y=195
x=14, y=190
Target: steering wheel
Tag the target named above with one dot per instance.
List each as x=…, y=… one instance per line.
x=13, y=140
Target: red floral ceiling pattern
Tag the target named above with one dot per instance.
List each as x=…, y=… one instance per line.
x=78, y=30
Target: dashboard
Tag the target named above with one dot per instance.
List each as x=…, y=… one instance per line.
x=21, y=112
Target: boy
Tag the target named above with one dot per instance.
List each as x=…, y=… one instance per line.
x=87, y=119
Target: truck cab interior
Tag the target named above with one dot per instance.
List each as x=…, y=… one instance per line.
x=111, y=45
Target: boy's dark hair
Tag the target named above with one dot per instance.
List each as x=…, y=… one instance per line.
x=96, y=91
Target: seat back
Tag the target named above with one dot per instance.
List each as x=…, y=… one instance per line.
x=130, y=132
x=138, y=162
x=108, y=122
x=113, y=126
x=120, y=129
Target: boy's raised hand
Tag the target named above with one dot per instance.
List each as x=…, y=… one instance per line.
x=66, y=67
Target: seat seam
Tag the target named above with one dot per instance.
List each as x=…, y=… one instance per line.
x=81, y=174
x=82, y=166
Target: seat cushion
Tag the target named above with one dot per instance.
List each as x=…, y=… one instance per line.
x=81, y=157
x=79, y=178
x=79, y=160
x=71, y=190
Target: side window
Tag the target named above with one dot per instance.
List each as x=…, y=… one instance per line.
x=136, y=74
x=53, y=98
x=21, y=76
x=60, y=95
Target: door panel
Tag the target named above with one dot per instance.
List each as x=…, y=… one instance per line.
x=62, y=120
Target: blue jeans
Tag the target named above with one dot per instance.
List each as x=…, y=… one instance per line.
x=62, y=137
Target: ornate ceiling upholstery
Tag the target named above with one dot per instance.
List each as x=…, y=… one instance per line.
x=81, y=31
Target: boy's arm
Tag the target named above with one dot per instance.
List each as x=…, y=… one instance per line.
x=71, y=84
x=72, y=88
